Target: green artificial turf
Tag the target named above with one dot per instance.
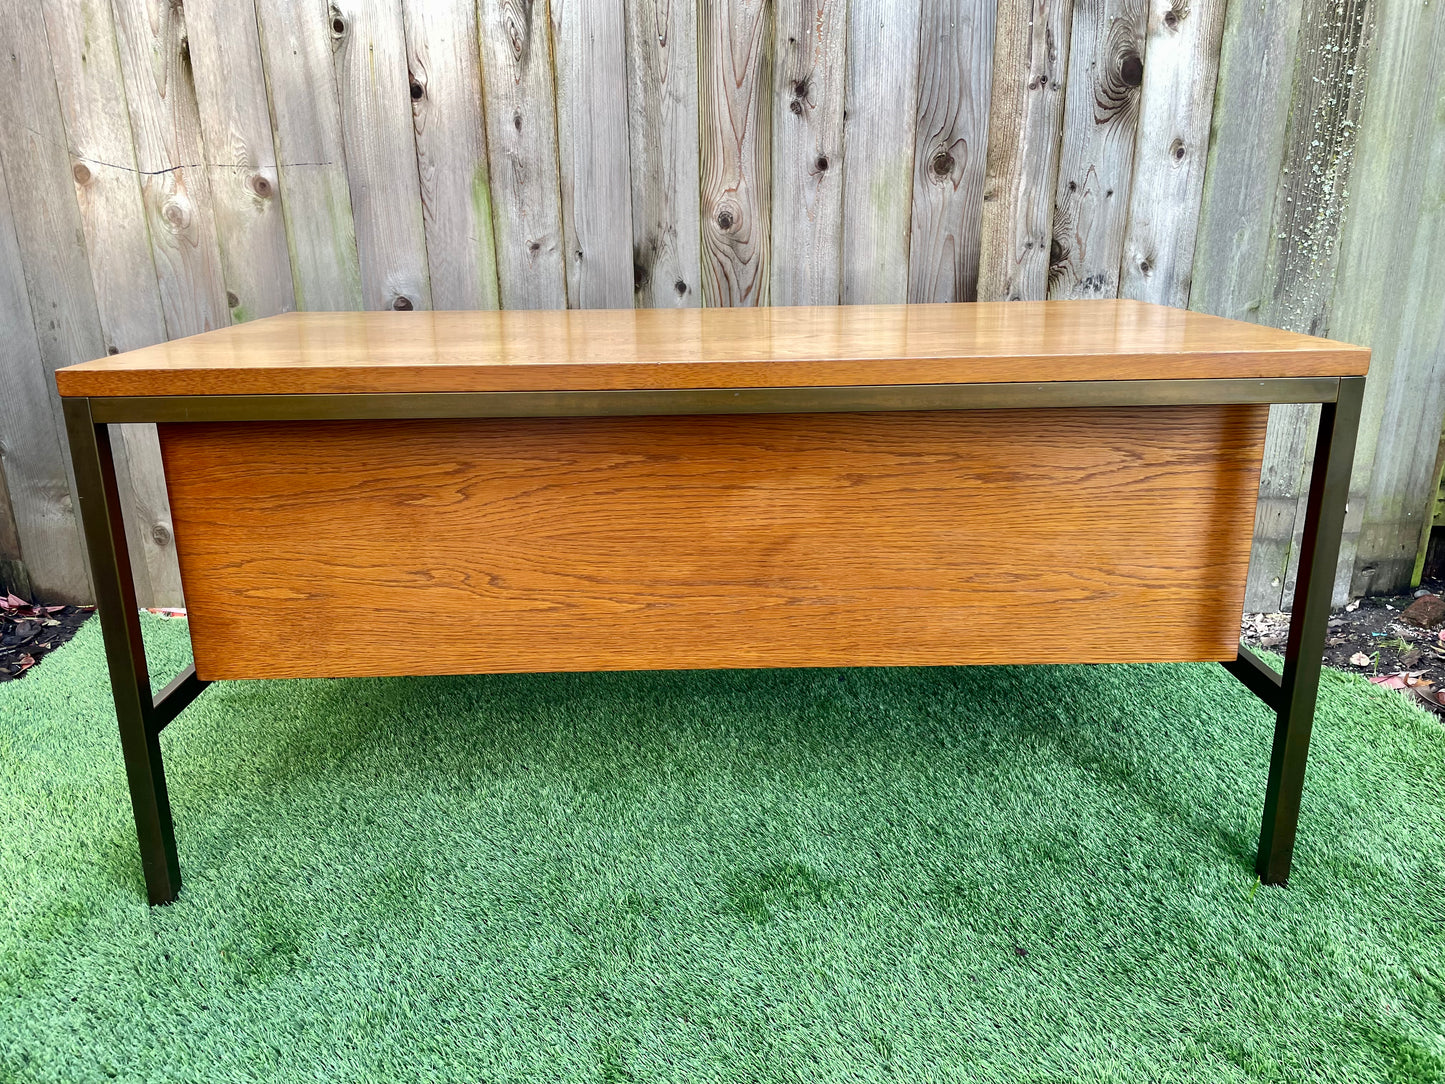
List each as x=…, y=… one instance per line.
x=1003, y=874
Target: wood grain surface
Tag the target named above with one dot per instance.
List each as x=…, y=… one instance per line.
x=811, y=40
x=374, y=89
x=224, y=49
x=589, y=42
x=878, y=137
x=667, y=543
x=445, y=66
x=1096, y=156
x=734, y=79
x=47, y=307
x=706, y=348
x=166, y=126
x=310, y=153
x=1025, y=122
x=521, y=116
x=1170, y=149
x=118, y=243
x=955, y=71
x=662, y=135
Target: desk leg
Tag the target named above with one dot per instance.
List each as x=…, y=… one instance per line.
x=1309, y=619
x=125, y=652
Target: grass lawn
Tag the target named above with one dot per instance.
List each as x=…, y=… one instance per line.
x=997, y=874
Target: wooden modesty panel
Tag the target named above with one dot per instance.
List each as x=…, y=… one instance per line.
x=543, y=544
x=589, y=350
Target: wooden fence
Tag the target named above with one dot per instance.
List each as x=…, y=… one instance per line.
x=167, y=170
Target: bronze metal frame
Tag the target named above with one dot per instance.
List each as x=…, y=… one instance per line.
x=142, y=714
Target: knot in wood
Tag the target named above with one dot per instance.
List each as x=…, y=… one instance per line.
x=402, y=304
x=1176, y=150
x=417, y=89
x=81, y=172
x=943, y=163
x=231, y=299
x=1131, y=70
x=822, y=163
x=160, y=534
x=176, y=213
x=261, y=185
x=725, y=219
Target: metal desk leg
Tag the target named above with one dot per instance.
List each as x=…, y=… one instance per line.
x=1309, y=619
x=141, y=717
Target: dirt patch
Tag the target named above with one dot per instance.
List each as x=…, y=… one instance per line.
x=1369, y=638
x=29, y=633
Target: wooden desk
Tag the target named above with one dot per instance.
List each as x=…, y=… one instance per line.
x=1043, y=482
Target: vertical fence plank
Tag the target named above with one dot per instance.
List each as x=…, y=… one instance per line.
x=1232, y=244
x=310, y=156
x=810, y=45
x=48, y=305
x=32, y=454
x=955, y=71
x=225, y=55
x=1096, y=159
x=1284, y=126
x=1312, y=193
x=107, y=184
x=374, y=89
x=451, y=152
x=1388, y=293
x=663, y=140
x=1025, y=121
x=166, y=126
x=13, y=577
x=1172, y=145
x=878, y=136
x=735, y=54
x=522, y=149
x=590, y=60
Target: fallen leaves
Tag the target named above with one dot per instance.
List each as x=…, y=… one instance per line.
x=28, y=630
x=1359, y=658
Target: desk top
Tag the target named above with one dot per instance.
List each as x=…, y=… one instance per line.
x=990, y=342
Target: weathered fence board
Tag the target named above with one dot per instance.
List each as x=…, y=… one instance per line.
x=955, y=69
x=175, y=167
x=810, y=44
x=165, y=123
x=376, y=127
x=662, y=135
x=1236, y=234
x=240, y=155
x=1388, y=291
x=310, y=156
x=1170, y=149
x=13, y=577
x=1096, y=159
x=107, y=187
x=444, y=58
x=47, y=544
x=735, y=52
x=49, y=310
x=522, y=152
x=590, y=56
x=878, y=130
x=1025, y=124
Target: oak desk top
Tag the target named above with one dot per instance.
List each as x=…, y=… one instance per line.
x=585, y=350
